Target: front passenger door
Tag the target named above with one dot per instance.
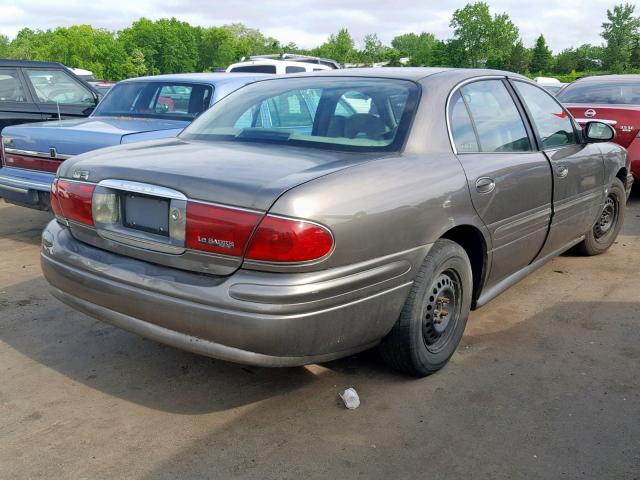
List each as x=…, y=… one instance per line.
x=57, y=92
x=509, y=180
x=578, y=169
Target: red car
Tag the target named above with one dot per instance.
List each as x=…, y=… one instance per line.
x=613, y=99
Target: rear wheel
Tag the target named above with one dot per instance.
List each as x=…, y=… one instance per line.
x=435, y=314
x=605, y=231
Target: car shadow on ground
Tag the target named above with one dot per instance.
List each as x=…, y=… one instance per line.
x=22, y=224
x=555, y=384
x=136, y=369
x=148, y=373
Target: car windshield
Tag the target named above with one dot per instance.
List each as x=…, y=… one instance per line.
x=616, y=93
x=324, y=112
x=155, y=100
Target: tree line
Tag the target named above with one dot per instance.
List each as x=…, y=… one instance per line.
x=480, y=39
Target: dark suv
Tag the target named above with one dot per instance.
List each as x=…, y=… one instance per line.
x=36, y=91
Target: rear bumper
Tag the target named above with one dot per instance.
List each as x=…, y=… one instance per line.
x=26, y=187
x=258, y=318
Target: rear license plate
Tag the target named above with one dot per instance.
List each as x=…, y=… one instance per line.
x=147, y=214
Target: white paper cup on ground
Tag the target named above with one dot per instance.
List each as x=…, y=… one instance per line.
x=350, y=398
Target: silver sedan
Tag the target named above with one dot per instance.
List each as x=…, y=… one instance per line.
x=307, y=218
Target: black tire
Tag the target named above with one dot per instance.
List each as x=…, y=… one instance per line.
x=423, y=339
x=605, y=231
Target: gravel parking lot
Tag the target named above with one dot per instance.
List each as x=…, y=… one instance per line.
x=546, y=384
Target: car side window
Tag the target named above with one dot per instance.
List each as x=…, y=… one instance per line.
x=291, y=69
x=462, y=131
x=11, y=87
x=551, y=120
x=497, y=121
x=55, y=86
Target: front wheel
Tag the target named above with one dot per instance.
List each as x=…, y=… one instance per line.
x=605, y=231
x=435, y=314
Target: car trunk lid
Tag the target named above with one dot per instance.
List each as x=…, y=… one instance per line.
x=156, y=184
x=45, y=145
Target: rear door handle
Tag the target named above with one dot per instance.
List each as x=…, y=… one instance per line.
x=485, y=185
x=562, y=171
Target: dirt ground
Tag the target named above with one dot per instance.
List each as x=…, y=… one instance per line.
x=545, y=385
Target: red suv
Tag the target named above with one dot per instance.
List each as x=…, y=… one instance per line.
x=612, y=99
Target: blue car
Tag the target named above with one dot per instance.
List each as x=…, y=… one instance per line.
x=134, y=110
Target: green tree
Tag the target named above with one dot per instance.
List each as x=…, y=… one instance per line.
x=340, y=47
x=4, y=46
x=589, y=57
x=541, y=56
x=566, y=61
x=504, y=35
x=25, y=44
x=421, y=49
x=217, y=48
x=133, y=66
x=472, y=27
x=519, y=59
x=634, y=60
x=168, y=45
x=620, y=33
x=373, y=51
x=486, y=40
x=249, y=41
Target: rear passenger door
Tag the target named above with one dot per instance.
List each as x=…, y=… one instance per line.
x=509, y=180
x=578, y=168
x=16, y=105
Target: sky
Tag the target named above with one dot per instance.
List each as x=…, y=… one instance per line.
x=308, y=23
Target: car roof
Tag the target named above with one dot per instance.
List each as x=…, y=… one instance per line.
x=611, y=78
x=210, y=78
x=8, y=62
x=408, y=73
x=277, y=61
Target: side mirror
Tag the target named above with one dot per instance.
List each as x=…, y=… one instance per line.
x=595, y=132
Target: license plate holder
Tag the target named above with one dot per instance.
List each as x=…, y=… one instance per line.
x=146, y=213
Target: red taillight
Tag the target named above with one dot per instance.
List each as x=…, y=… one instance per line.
x=218, y=229
x=72, y=200
x=31, y=163
x=227, y=231
x=280, y=239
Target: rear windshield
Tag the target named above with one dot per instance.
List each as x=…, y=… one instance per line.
x=324, y=112
x=617, y=93
x=254, y=69
x=156, y=100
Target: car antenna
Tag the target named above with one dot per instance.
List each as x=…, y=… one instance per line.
x=58, y=107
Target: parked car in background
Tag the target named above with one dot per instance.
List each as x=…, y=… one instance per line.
x=102, y=86
x=550, y=84
x=282, y=64
x=134, y=110
x=36, y=91
x=611, y=99
x=384, y=223
x=295, y=57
